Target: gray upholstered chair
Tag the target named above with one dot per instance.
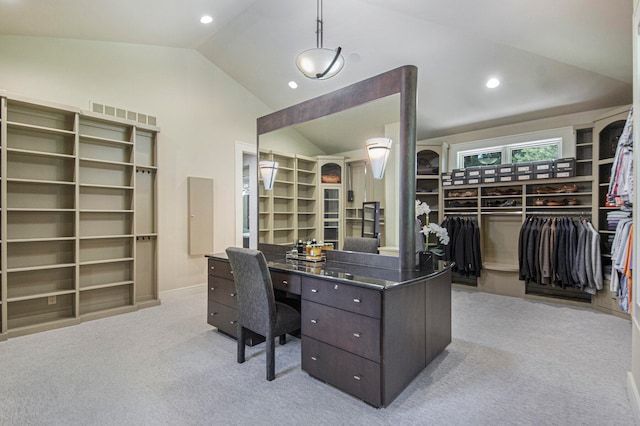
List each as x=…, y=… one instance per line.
x=361, y=244
x=257, y=309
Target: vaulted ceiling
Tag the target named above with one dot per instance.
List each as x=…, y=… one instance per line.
x=552, y=56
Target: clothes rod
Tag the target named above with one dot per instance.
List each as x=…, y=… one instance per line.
x=502, y=213
x=561, y=212
x=461, y=214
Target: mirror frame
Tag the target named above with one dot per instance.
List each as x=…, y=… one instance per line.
x=403, y=80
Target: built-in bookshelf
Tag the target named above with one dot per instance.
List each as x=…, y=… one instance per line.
x=78, y=220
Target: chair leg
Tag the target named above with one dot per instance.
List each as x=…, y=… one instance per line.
x=241, y=339
x=271, y=359
x=282, y=339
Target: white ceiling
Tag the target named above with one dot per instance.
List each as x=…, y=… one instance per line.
x=552, y=56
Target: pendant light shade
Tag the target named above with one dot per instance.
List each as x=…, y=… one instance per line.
x=320, y=63
x=268, y=171
x=378, y=151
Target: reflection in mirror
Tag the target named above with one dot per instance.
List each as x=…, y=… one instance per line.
x=338, y=143
x=324, y=173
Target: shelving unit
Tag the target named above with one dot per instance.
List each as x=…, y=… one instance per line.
x=584, y=151
x=500, y=225
x=71, y=200
x=431, y=162
x=606, y=131
x=332, y=204
x=307, y=197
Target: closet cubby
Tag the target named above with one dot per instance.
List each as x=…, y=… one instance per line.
x=37, y=166
x=38, y=282
x=584, y=151
x=78, y=229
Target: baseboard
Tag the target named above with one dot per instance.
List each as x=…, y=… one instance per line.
x=184, y=291
x=634, y=398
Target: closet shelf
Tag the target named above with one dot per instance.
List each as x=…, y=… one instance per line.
x=15, y=124
x=103, y=140
x=39, y=153
x=39, y=181
x=105, y=162
x=106, y=285
x=40, y=296
x=106, y=261
x=41, y=267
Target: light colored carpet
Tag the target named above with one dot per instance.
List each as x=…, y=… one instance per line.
x=512, y=362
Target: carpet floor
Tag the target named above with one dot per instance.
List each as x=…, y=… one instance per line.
x=511, y=362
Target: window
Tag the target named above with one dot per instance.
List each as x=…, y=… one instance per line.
x=547, y=149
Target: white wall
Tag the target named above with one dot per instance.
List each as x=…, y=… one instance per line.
x=200, y=110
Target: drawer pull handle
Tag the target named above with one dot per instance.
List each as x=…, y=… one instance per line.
x=313, y=290
x=213, y=288
x=356, y=377
x=231, y=272
x=213, y=268
x=232, y=294
x=313, y=358
x=356, y=335
x=284, y=282
x=214, y=313
x=313, y=321
x=356, y=300
x=232, y=322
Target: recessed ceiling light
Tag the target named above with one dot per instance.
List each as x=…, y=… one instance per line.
x=293, y=84
x=206, y=19
x=492, y=83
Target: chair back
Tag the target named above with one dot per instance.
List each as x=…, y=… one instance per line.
x=361, y=244
x=256, y=302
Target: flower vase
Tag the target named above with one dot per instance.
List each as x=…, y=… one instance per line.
x=426, y=260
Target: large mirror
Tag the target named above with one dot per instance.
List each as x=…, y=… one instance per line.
x=309, y=138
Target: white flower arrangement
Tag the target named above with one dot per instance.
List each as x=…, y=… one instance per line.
x=431, y=228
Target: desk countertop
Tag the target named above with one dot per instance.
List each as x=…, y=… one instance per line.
x=360, y=275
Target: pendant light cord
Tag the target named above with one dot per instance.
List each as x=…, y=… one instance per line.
x=319, y=24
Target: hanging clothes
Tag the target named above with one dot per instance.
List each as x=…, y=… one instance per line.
x=621, y=255
x=560, y=252
x=464, y=245
x=620, y=192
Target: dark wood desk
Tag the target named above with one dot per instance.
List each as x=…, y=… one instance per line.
x=365, y=330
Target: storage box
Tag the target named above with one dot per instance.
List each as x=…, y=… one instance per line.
x=459, y=181
x=447, y=182
x=506, y=169
x=473, y=180
x=473, y=172
x=524, y=176
x=507, y=178
x=524, y=168
x=445, y=177
x=489, y=171
x=542, y=166
x=565, y=173
x=565, y=164
x=489, y=179
x=543, y=175
x=458, y=173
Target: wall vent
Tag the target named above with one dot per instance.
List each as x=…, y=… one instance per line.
x=124, y=114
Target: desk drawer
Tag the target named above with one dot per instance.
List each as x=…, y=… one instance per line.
x=286, y=282
x=223, y=317
x=351, y=298
x=346, y=371
x=222, y=291
x=220, y=268
x=353, y=333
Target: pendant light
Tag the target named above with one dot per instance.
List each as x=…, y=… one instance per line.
x=378, y=151
x=268, y=171
x=320, y=63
